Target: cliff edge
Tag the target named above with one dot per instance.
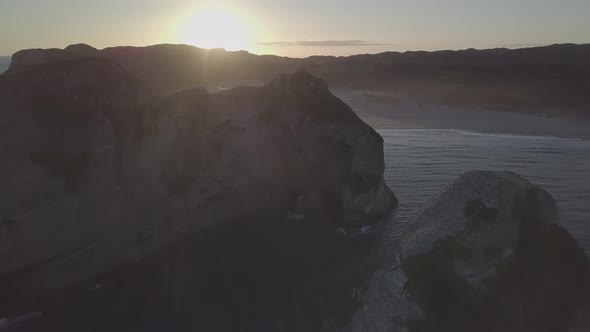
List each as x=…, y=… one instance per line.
x=99, y=173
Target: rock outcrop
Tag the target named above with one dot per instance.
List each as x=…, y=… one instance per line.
x=98, y=173
x=486, y=254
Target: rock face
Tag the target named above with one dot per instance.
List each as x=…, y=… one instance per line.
x=486, y=254
x=98, y=173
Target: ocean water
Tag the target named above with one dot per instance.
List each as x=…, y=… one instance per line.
x=421, y=162
x=4, y=63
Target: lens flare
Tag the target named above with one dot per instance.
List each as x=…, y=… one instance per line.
x=216, y=27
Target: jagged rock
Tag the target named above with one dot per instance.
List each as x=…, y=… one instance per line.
x=486, y=254
x=102, y=173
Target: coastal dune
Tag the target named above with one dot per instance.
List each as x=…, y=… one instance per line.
x=391, y=109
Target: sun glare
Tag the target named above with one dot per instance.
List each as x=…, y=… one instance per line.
x=216, y=27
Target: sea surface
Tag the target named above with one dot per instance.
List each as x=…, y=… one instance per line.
x=421, y=162
x=4, y=63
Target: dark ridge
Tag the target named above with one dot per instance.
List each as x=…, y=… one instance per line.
x=550, y=79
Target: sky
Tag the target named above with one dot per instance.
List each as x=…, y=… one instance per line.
x=294, y=28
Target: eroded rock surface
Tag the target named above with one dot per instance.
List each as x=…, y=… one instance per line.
x=98, y=173
x=486, y=254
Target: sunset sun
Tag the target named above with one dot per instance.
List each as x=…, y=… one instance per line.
x=216, y=27
x=295, y=165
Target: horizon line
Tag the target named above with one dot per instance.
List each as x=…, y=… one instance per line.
x=514, y=46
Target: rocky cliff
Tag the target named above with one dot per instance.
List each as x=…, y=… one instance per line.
x=486, y=254
x=98, y=173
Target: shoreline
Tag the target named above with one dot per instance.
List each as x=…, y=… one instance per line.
x=392, y=110
x=481, y=132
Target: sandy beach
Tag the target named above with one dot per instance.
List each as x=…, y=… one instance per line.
x=396, y=110
x=388, y=109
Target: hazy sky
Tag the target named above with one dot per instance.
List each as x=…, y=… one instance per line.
x=294, y=28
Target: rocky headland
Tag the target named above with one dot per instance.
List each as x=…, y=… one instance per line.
x=99, y=173
x=486, y=254
x=112, y=181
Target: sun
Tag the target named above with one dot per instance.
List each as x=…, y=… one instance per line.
x=216, y=27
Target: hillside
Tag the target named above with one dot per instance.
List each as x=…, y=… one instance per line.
x=166, y=68
x=551, y=80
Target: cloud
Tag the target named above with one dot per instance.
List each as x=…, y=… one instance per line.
x=330, y=43
x=520, y=45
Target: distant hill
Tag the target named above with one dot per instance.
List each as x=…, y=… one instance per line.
x=551, y=79
x=4, y=63
x=166, y=68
